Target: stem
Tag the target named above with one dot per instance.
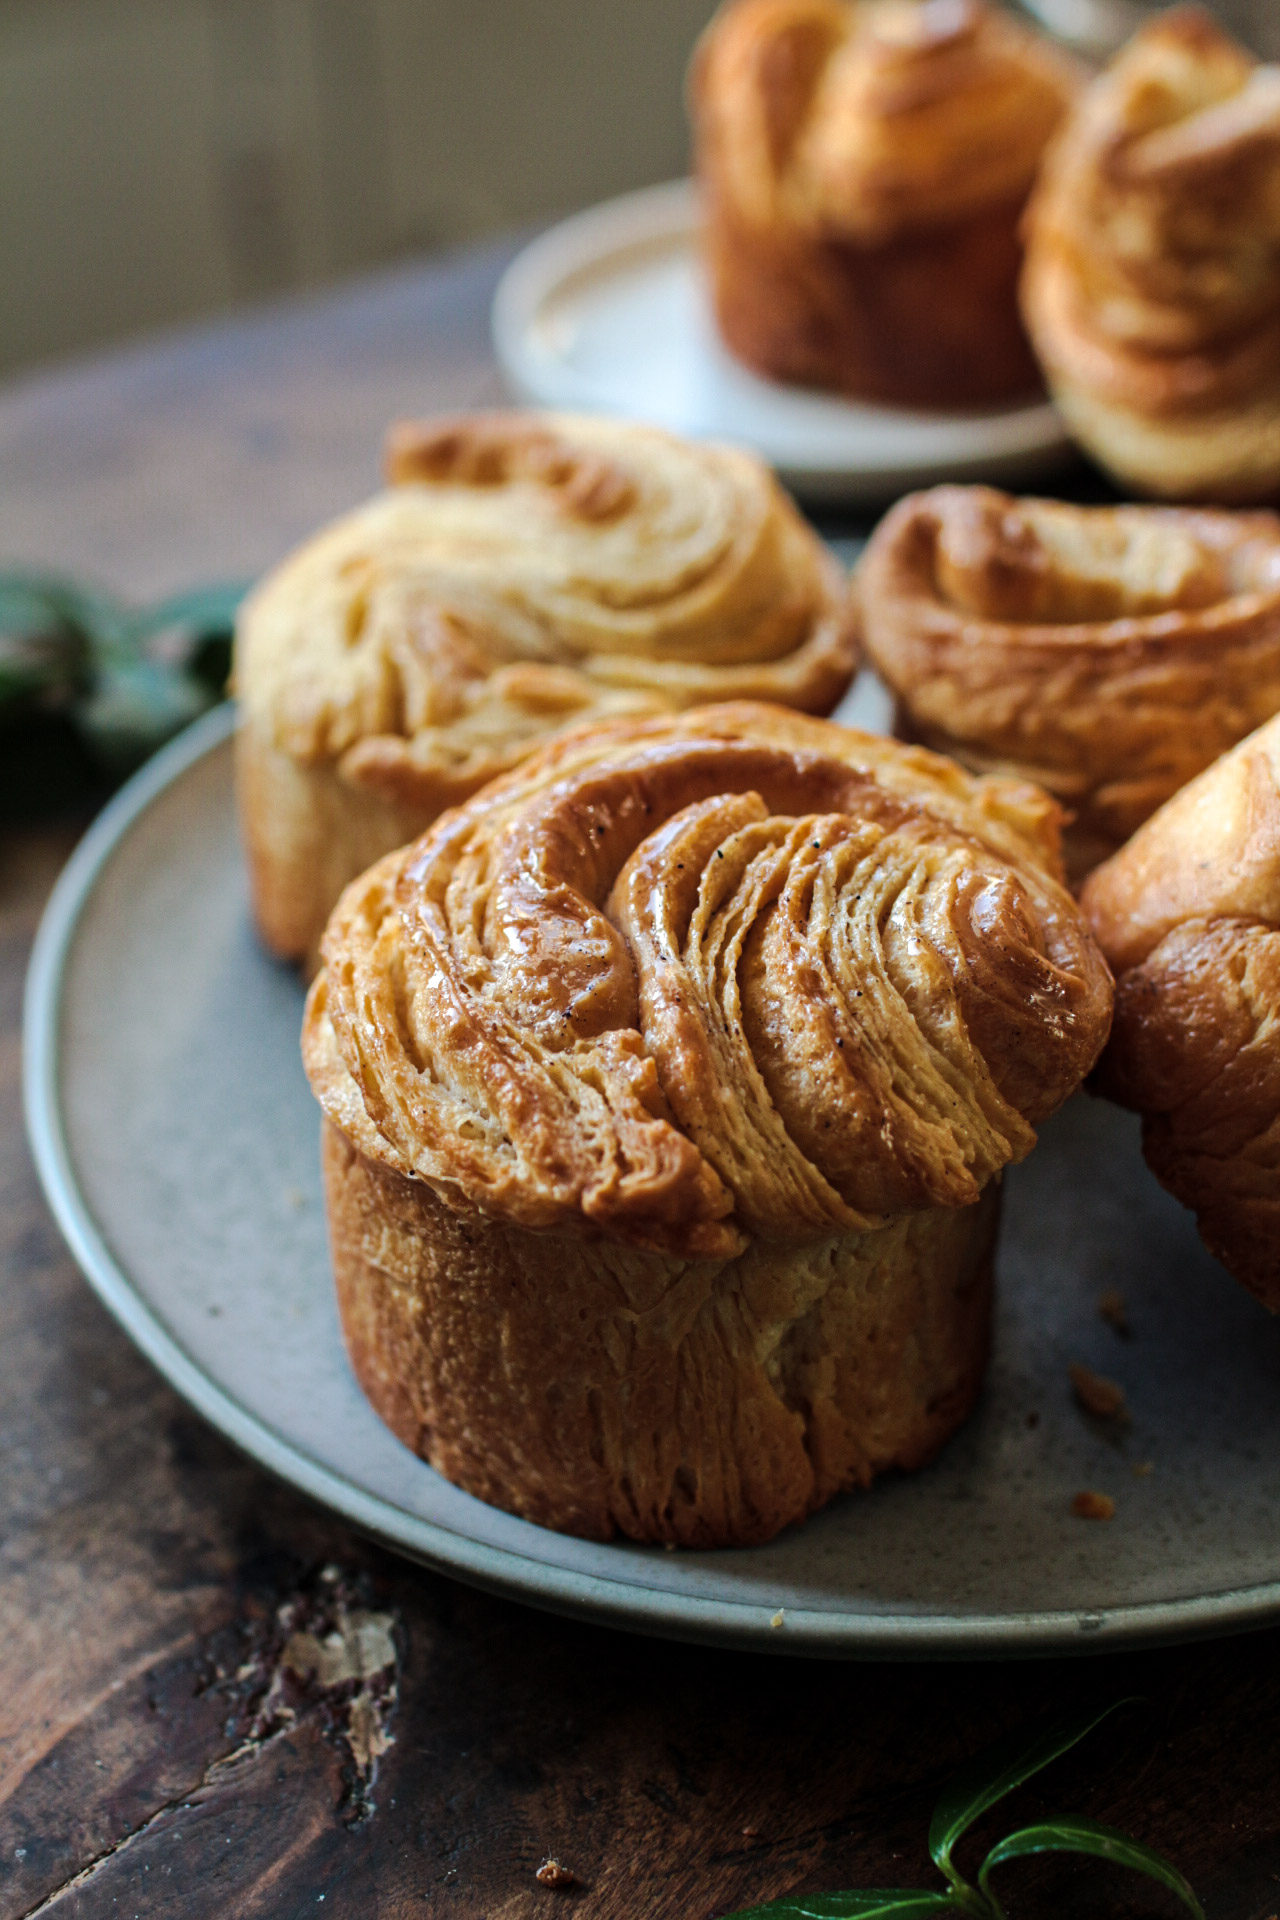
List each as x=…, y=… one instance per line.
x=983, y=1906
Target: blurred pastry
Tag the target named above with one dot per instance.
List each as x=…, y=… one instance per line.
x=668, y=1083
x=864, y=170
x=1108, y=653
x=1152, y=282
x=1188, y=914
x=522, y=574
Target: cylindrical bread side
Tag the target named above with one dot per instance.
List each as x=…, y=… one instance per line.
x=306, y=833
x=866, y=319
x=601, y=1389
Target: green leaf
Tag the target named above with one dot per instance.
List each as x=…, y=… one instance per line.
x=35, y=602
x=134, y=707
x=203, y=610
x=996, y=1772
x=893, y=1903
x=1077, y=1835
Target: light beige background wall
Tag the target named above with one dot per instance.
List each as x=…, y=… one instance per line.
x=159, y=158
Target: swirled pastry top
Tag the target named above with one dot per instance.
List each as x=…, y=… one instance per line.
x=1211, y=853
x=688, y=981
x=1154, y=235
x=525, y=572
x=1108, y=652
x=866, y=121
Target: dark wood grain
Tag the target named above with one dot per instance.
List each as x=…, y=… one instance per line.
x=161, y=1751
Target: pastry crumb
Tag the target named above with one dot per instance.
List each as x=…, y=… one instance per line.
x=750, y=1833
x=1112, y=1309
x=1141, y=1468
x=1093, y=1506
x=778, y=1617
x=668, y=1546
x=1098, y=1395
x=552, y=1874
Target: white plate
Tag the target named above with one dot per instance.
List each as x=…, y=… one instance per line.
x=607, y=313
x=177, y=1141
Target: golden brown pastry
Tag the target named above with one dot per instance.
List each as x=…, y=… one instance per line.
x=522, y=574
x=1152, y=282
x=864, y=169
x=1188, y=914
x=668, y=1083
x=1108, y=653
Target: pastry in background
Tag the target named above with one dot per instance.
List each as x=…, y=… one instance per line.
x=1152, y=283
x=668, y=1083
x=522, y=574
x=864, y=169
x=1188, y=915
x=1109, y=653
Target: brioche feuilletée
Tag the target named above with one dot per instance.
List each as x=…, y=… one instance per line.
x=1188, y=915
x=667, y=1087
x=521, y=574
x=1108, y=653
x=1151, y=289
x=864, y=169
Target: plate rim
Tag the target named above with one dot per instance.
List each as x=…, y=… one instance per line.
x=623, y=1603
x=647, y=216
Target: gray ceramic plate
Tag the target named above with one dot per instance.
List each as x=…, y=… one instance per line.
x=177, y=1142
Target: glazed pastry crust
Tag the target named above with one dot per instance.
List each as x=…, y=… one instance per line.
x=1188, y=915
x=864, y=170
x=1109, y=654
x=731, y=1020
x=1152, y=282
x=522, y=574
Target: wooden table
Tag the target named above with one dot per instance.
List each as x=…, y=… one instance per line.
x=150, y=1579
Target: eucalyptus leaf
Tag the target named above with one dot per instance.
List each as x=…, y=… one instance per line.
x=34, y=602
x=204, y=610
x=82, y=673
x=135, y=706
x=894, y=1903
x=1078, y=1835
x=996, y=1772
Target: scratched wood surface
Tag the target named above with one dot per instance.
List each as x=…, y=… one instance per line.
x=217, y=1700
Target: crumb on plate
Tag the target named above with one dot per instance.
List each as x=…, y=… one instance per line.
x=1093, y=1506
x=1098, y=1395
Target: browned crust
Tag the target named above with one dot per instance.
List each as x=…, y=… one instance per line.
x=865, y=171
x=1153, y=265
x=868, y=319
x=1112, y=715
x=1193, y=1050
x=601, y=1390
x=1188, y=916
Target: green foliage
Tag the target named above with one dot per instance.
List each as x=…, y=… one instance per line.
x=89, y=686
x=969, y=1794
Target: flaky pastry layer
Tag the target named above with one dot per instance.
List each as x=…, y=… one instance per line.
x=522, y=574
x=864, y=168
x=1152, y=281
x=1108, y=653
x=1188, y=915
x=701, y=1005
